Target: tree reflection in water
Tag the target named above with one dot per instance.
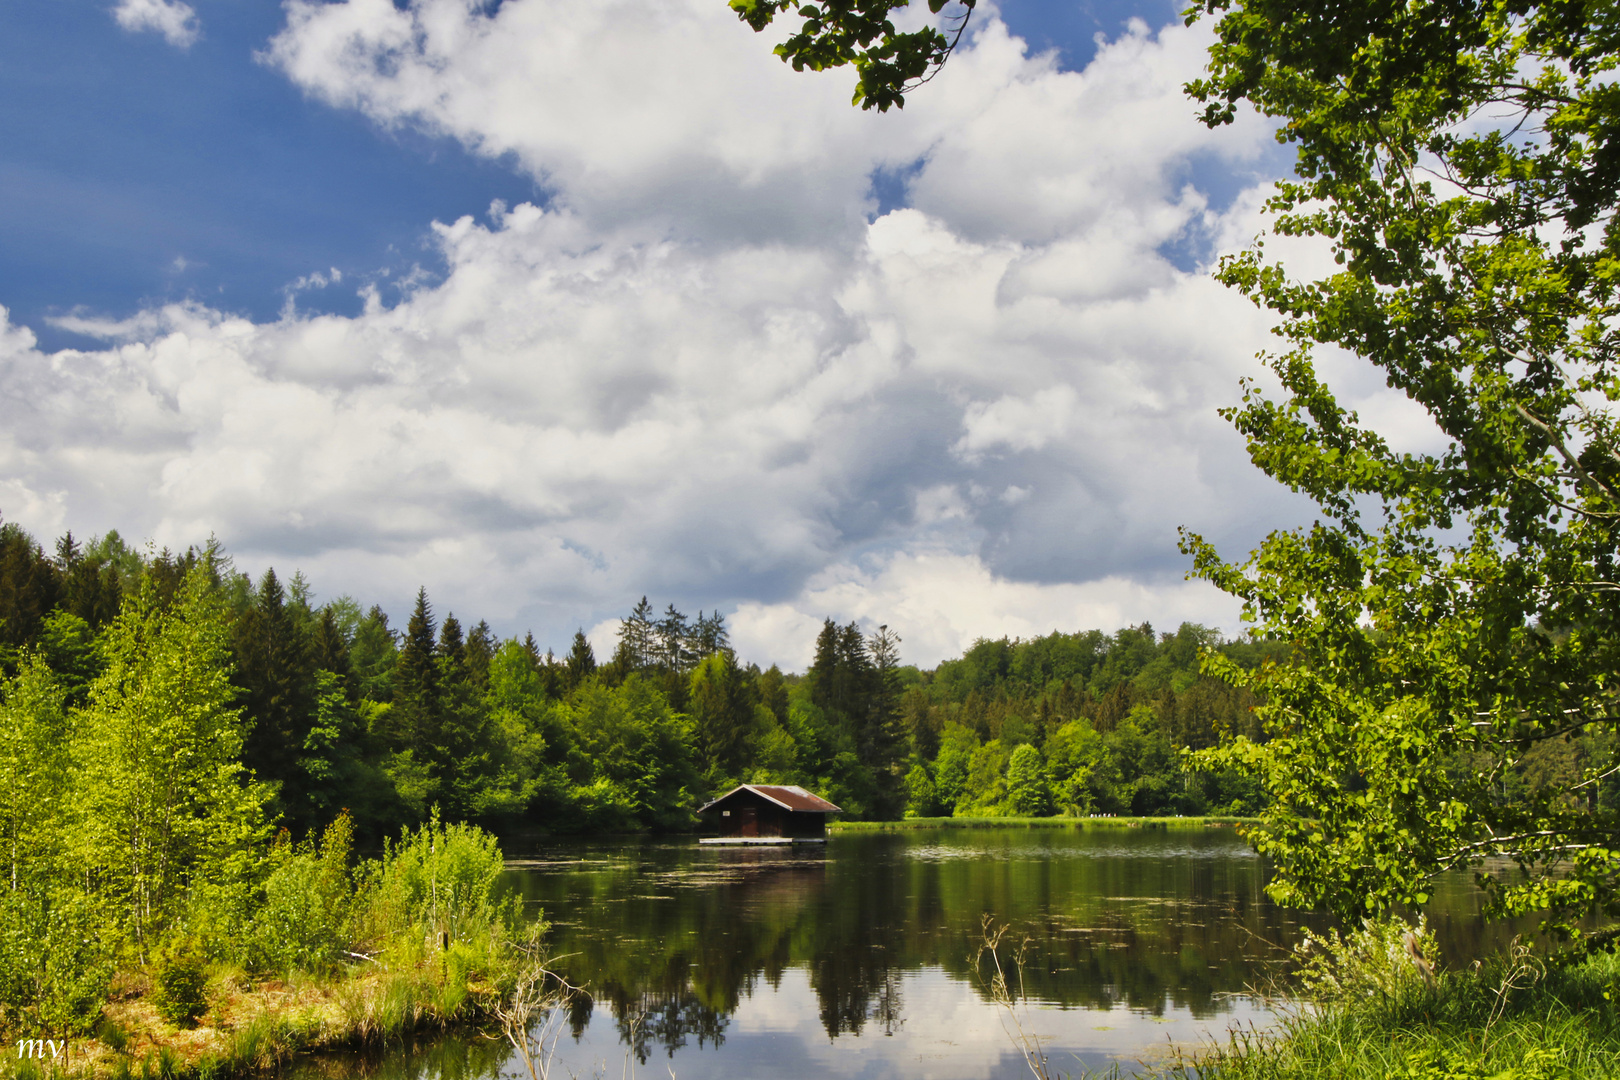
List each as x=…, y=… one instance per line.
x=671, y=938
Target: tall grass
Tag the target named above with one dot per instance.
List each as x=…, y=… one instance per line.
x=1510, y=1018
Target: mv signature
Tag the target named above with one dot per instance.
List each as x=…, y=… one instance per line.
x=36, y=1048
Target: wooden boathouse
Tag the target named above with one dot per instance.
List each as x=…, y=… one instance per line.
x=768, y=814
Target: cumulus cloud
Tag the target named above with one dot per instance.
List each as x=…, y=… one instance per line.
x=703, y=370
x=174, y=19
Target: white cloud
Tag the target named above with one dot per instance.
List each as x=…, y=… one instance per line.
x=174, y=19
x=701, y=372
x=940, y=602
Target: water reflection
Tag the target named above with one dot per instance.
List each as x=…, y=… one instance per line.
x=858, y=959
x=1147, y=920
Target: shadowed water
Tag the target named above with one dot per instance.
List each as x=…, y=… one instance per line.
x=861, y=959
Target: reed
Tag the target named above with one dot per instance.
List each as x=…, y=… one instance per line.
x=1512, y=1018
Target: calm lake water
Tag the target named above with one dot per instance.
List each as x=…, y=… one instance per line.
x=858, y=959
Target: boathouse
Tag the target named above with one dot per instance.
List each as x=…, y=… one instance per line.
x=768, y=814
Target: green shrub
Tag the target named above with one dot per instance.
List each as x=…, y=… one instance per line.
x=1385, y=958
x=438, y=880
x=179, y=987
x=55, y=965
x=308, y=896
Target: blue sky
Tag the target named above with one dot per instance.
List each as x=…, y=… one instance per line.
x=135, y=172
x=621, y=306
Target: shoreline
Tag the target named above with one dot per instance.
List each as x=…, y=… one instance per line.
x=1211, y=821
x=257, y=1026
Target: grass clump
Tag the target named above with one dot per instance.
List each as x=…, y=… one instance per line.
x=1373, y=1006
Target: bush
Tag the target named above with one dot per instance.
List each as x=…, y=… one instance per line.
x=439, y=880
x=54, y=963
x=179, y=986
x=307, y=901
x=1385, y=958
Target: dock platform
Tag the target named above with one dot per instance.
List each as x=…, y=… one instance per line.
x=763, y=840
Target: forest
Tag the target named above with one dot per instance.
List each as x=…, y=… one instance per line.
x=337, y=709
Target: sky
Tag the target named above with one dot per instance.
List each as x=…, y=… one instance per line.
x=546, y=306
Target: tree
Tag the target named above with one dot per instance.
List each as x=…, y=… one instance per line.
x=275, y=671
x=166, y=812
x=721, y=703
x=637, y=639
x=581, y=662
x=414, y=720
x=1451, y=611
x=1026, y=783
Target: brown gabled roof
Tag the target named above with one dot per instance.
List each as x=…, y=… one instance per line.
x=789, y=798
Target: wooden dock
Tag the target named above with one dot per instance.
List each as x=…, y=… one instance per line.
x=763, y=840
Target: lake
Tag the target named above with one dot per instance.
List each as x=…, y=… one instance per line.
x=861, y=959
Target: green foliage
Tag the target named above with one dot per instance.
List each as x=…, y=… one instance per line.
x=1451, y=616
x=922, y=798
x=164, y=805
x=55, y=959
x=179, y=985
x=859, y=32
x=633, y=743
x=305, y=918
x=1384, y=957
x=1026, y=785
x=438, y=879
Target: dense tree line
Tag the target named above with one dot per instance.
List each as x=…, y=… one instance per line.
x=340, y=710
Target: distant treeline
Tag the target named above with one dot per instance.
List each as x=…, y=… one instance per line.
x=342, y=710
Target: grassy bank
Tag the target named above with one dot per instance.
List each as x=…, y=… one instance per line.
x=253, y=1026
x=1036, y=823
x=1511, y=1019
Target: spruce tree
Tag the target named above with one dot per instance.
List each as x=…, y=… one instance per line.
x=581, y=663
x=275, y=671
x=330, y=652
x=638, y=638
x=674, y=646
x=30, y=586
x=414, y=720
x=481, y=647
x=375, y=653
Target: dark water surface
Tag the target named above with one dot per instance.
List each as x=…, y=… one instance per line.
x=858, y=959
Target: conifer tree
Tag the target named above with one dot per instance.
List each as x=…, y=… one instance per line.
x=415, y=717
x=581, y=663
x=375, y=653
x=330, y=652
x=721, y=704
x=638, y=638
x=674, y=645
x=275, y=672
x=481, y=647
x=30, y=586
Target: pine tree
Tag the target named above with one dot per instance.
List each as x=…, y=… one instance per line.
x=375, y=653
x=674, y=645
x=30, y=586
x=709, y=636
x=721, y=704
x=882, y=743
x=481, y=647
x=414, y=720
x=275, y=671
x=581, y=663
x=330, y=652
x=638, y=638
